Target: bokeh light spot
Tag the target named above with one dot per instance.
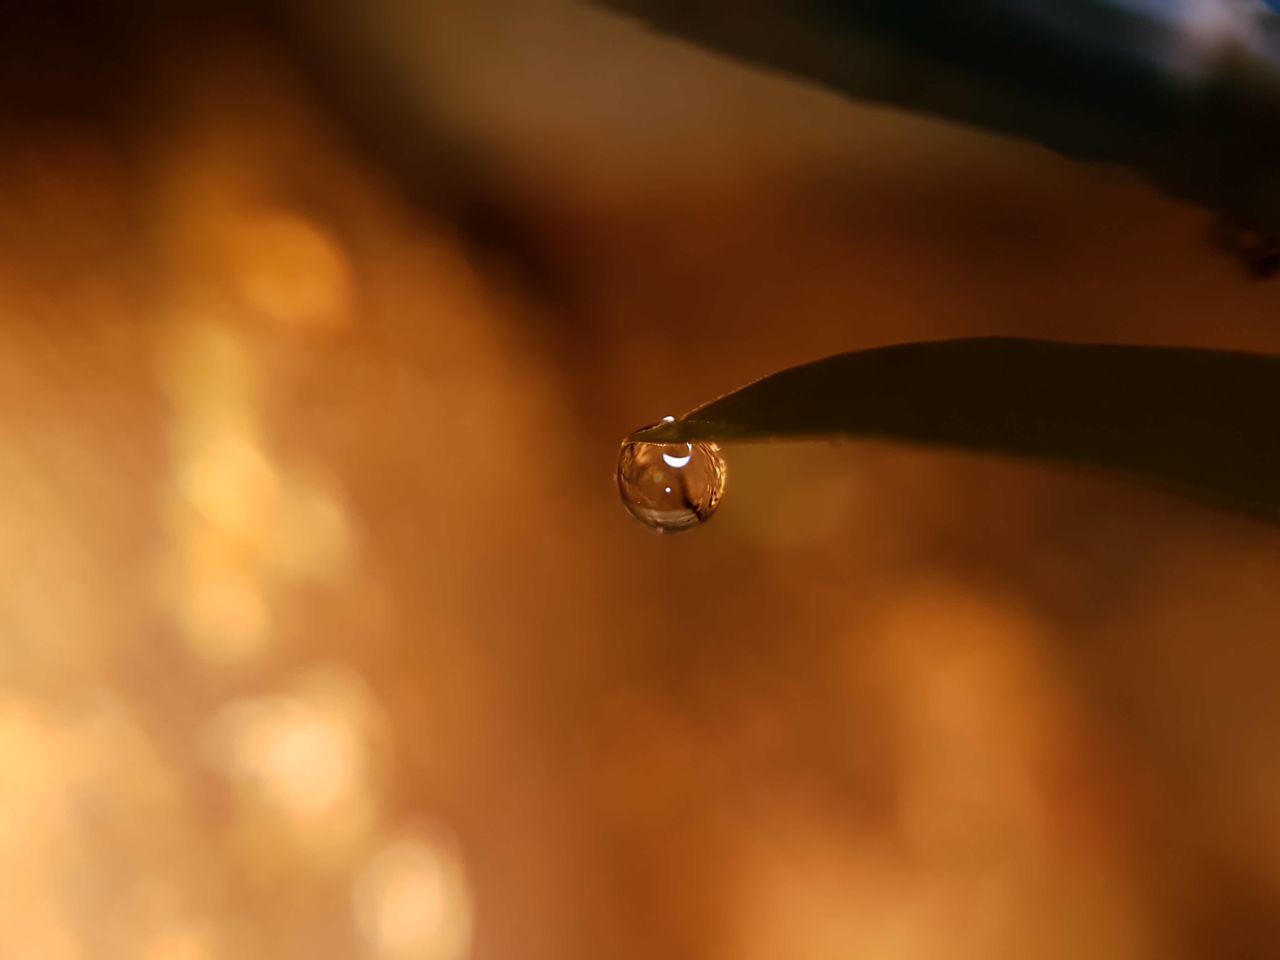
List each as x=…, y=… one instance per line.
x=412, y=901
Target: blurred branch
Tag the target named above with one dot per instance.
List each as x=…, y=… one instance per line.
x=1199, y=422
x=1192, y=105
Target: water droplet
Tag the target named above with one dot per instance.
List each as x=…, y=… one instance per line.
x=670, y=486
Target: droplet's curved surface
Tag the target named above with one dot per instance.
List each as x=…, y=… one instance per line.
x=670, y=486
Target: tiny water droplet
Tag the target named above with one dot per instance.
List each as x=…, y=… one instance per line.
x=670, y=486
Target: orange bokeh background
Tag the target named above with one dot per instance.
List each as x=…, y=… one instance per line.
x=323, y=635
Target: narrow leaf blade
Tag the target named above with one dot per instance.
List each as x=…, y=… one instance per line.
x=1201, y=422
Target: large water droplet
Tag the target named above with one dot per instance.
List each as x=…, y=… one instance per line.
x=670, y=486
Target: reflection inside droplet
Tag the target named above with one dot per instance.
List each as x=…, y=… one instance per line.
x=679, y=462
x=670, y=486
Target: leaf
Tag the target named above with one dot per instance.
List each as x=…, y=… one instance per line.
x=1190, y=102
x=1199, y=422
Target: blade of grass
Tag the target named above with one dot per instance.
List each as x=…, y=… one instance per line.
x=1199, y=422
x=1190, y=105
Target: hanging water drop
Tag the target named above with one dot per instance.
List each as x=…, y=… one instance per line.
x=670, y=486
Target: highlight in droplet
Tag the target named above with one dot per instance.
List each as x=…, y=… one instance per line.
x=670, y=487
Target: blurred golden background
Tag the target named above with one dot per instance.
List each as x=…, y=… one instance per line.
x=323, y=635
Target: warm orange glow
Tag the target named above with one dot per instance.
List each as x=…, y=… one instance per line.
x=323, y=634
x=411, y=901
x=290, y=271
